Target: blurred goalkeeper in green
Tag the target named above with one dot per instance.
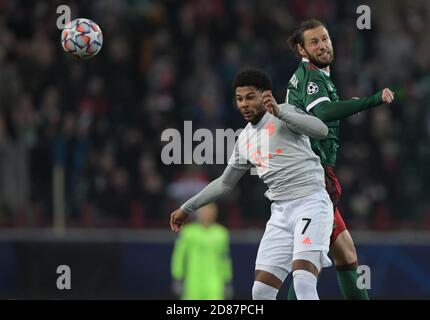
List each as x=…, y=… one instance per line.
x=201, y=265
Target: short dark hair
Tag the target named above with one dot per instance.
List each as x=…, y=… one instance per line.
x=297, y=36
x=253, y=77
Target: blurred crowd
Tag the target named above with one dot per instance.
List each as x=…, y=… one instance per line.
x=164, y=62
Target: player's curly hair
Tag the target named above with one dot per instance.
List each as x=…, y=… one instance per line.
x=297, y=36
x=253, y=77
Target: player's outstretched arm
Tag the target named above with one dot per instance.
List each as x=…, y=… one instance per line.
x=297, y=120
x=212, y=192
x=333, y=111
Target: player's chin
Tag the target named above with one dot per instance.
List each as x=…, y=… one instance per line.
x=248, y=116
x=325, y=62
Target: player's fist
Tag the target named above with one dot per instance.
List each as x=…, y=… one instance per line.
x=177, y=219
x=387, y=95
x=269, y=103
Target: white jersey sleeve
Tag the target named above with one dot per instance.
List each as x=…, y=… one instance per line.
x=302, y=123
x=215, y=190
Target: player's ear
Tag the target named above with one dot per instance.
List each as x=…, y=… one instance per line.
x=301, y=50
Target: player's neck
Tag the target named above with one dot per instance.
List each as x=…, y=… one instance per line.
x=325, y=69
x=258, y=118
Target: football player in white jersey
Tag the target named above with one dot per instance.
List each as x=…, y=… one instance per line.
x=276, y=142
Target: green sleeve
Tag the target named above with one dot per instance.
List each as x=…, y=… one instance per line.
x=332, y=111
x=226, y=261
x=178, y=257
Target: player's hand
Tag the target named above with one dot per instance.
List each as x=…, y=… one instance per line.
x=387, y=95
x=269, y=103
x=177, y=219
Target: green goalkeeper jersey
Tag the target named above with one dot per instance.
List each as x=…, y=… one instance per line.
x=201, y=260
x=308, y=87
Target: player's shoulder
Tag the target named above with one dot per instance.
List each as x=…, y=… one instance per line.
x=298, y=75
x=244, y=132
x=315, y=79
x=311, y=71
x=306, y=72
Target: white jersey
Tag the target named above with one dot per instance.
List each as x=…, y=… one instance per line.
x=283, y=159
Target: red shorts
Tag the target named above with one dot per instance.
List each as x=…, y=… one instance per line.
x=334, y=190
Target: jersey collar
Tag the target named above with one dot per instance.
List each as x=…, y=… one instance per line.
x=323, y=71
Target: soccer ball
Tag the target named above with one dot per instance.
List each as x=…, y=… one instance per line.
x=82, y=38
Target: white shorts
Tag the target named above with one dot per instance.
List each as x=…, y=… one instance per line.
x=296, y=226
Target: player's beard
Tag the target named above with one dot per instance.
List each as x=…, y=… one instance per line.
x=317, y=62
x=254, y=116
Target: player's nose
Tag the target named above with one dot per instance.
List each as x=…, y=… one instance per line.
x=322, y=47
x=243, y=105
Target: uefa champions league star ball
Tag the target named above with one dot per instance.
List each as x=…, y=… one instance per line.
x=82, y=38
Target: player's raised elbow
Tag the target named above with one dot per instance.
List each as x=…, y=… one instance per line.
x=323, y=132
x=320, y=132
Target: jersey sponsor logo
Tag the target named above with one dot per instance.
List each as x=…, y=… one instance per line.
x=312, y=88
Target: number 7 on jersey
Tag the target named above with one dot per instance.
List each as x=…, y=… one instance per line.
x=308, y=221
